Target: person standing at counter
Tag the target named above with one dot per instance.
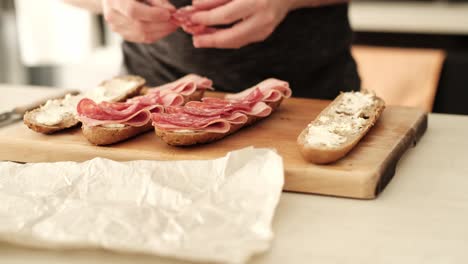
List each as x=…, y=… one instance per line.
x=305, y=42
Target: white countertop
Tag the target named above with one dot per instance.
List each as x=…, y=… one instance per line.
x=421, y=217
x=409, y=17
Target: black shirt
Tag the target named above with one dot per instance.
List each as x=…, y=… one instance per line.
x=310, y=49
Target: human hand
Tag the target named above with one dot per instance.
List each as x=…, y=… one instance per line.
x=254, y=20
x=139, y=22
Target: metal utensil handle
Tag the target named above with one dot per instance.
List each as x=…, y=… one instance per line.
x=24, y=108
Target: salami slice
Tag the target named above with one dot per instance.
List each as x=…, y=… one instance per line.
x=203, y=110
x=222, y=107
x=220, y=115
x=175, y=120
x=237, y=118
x=137, y=119
x=272, y=90
x=167, y=99
x=133, y=114
x=107, y=111
x=227, y=104
x=259, y=109
x=131, y=111
x=185, y=86
x=182, y=121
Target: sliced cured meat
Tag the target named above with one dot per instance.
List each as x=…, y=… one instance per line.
x=174, y=109
x=171, y=94
x=106, y=111
x=137, y=119
x=195, y=122
x=185, y=86
x=237, y=118
x=133, y=113
x=182, y=121
x=254, y=95
x=204, y=109
x=259, y=109
x=167, y=99
x=272, y=90
x=217, y=106
x=181, y=18
x=173, y=119
x=217, y=126
x=275, y=84
x=228, y=104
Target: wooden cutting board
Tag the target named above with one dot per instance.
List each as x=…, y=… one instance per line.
x=362, y=174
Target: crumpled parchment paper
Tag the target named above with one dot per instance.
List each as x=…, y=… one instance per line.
x=208, y=210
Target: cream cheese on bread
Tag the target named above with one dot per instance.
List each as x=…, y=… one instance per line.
x=354, y=103
x=53, y=112
x=184, y=131
x=347, y=118
x=117, y=125
x=322, y=136
x=111, y=90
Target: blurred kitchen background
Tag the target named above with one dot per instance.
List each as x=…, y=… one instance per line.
x=411, y=52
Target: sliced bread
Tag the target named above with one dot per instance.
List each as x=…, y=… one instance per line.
x=193, y=137
x=109, y=134
x=59, y=114
x=339, y=127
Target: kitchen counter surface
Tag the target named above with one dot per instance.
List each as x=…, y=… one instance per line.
x=419, y=218
x=424, y=17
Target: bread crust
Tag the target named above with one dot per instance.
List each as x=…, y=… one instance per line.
x=29, y=120
x=69, y=121
x=131, y=93
x=101, y=135
x=175, y=138
x=324, y=154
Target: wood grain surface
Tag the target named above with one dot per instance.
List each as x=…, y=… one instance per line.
x=362, y=174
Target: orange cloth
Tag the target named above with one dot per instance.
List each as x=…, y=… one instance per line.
x=400, y=76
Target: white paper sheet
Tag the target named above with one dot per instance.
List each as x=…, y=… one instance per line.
x=211, y=210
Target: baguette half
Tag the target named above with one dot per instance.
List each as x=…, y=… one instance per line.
x=68, y=104
x=104, y=135
x=31, y=122
x=339, y=127
x=187, y=138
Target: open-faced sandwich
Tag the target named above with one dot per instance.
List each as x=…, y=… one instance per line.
x=339, y=127
x=215, y=118
x=59, y=114
x=107, y=123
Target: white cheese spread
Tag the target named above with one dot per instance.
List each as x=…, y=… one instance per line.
x=117, y=125
x=332, y=128
x=320, y=135
x=354, y=102
x=184, y=131
x=55, y=111
x=111, y=90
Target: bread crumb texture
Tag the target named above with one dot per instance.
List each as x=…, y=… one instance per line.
x=345, y=119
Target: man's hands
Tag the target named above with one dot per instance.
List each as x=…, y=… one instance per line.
x=149, y=20
x=137, y=21
x=254, y=20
